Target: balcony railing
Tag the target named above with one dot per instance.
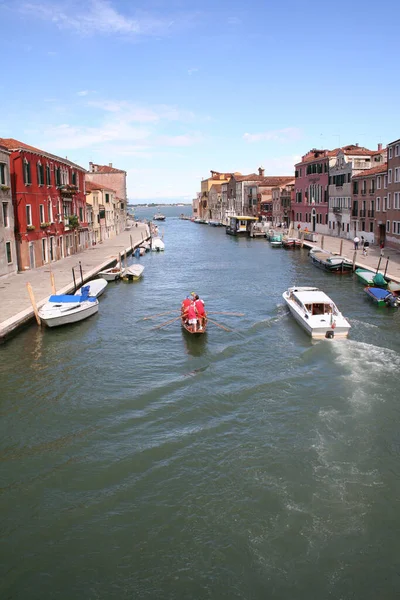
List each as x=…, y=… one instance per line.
x=354, y=212
x=363, y=214
x=337, y=209
x=371, y=214
x=372, y=190
x=363, y=192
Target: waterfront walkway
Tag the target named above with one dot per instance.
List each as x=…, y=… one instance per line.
x=15, y=305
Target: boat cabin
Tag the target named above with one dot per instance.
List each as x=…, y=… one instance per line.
x=313, y=302
x=240, y=225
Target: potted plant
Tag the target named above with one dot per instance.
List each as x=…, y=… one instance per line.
x=30, y=228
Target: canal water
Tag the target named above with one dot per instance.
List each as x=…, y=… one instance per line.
x=252, y=463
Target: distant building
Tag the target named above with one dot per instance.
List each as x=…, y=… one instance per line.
x=392, y=225
x=110, y=177
x=216, y=178
x=369, y=203
x=48, y=194
x=8, y=254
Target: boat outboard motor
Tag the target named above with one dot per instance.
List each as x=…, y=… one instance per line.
x=330, y=335
x=392, y=300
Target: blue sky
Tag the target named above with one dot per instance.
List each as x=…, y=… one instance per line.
x=170, y=90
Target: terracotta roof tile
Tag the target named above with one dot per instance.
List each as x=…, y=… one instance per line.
x=15, y=145
x=373, y=171
x=92, y=186
x=105, y=169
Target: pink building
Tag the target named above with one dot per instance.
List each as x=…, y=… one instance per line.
x=310, y=208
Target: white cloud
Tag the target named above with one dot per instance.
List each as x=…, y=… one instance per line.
x=141, y=114
x=99, y=17
x=289, y=134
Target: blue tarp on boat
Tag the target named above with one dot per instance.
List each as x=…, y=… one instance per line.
x=377, y=293
x=65, y=298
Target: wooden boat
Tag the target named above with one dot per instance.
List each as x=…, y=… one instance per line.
x=111, y=274
x=382, y=297
x=288, y=242
x=96, y=287
x=64, y=309
x=276, y=240
x=316, y=312
x=372, y=278
x=189, y=328
x=333, y=263
x=132, y=273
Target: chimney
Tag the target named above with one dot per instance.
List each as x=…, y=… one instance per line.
x=356, y=145
x=91, y=167
x=379, y=147
x=261, y=171
x=110, y=165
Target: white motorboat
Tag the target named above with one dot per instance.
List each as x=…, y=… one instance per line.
x=157, y=245
x=159, y=217
x=96, y=287
x=133, y=272
x=65, y=309
x=111, y=274
x=316, y=312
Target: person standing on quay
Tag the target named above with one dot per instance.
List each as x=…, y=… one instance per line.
x=356, y=242
x=365, y=248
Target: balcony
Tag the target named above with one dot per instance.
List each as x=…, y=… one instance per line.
x=67, y=190
x=363, y=192
x=363, y=214
x=354, y=212
x=371, y=191
x=371, y=214
x=337, y=210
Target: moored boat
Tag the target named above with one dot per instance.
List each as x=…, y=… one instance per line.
x=65, y=309
x=382, y=297
x=96, y=287
x=240, y=225
x=132, y=273
x=316, y=312
x=111, y=274
x=372, y=278
x=333, y=263
x=159, y=217
x=157, y=245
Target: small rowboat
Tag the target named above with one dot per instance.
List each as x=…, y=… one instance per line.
x=189, y=328
x=111, y=274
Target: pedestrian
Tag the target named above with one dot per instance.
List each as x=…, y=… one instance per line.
x=362, y=241
x=382, y=246
x=365, y=248
x=356, y=242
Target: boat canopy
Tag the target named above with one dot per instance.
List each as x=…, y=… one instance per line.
x=244, y=218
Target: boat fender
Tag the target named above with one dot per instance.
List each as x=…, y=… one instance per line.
x=330, y=335
x=333, y=325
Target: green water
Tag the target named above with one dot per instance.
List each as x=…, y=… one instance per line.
x=253, y=464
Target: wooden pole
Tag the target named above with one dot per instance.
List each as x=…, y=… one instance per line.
x=387, y=262
x=53, y=284
x=131, y=242
x=33, y=301
x=322, y=242
x=354, y=259
x=120, y=260
x=302, y=238
x=341, y=247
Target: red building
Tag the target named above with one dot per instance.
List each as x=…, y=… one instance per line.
x=48, y=194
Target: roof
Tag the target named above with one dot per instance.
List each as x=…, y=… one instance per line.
x=311, y=296
x=262, y=180
x=352, y=149
x=216, y=187
x=92, y=186
x=102, y=169
x=382, y=168
x=15, y=146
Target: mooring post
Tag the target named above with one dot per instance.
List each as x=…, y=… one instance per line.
x=341, y=247
x=33, y=301
x=80, y=267
x=322, y=242
x=354, y=259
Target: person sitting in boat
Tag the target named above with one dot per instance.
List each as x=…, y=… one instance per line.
x=185, y=305
x=201, y=312
x=192, y=316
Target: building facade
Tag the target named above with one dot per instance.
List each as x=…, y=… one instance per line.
x=115, y=180
x=48, y=194
x=368, y=205
x=216, y=178
x=392, y=225
x=348, y=163
x=8, y=254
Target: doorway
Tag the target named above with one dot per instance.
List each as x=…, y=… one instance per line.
x=31, y=255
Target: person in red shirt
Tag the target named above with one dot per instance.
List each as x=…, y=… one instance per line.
x=185, y=305
x=192, y=316
x=201, y=312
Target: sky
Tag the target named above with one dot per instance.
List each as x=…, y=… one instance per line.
x=169, y=90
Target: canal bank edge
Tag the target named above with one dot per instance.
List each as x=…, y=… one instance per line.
x=17, y=322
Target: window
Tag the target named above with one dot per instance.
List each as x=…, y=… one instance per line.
x=74, y=178
x=81, y=214
x=41, y=213
x=397, y=150
x=27, y=172
x=378, y=204
x=355, y=187
x=390, y=151
x=378, y=182
x=371, y=227
x=48, y=175
x=107, y=197
x=384, y=207
x=397, y=175
x=396, y=200
x=388, y=201
x=58, y=176
x=8, y=253
x=385, y=181
x=6, y=220
x=40, y=173
x=28, y=214
x=389, y=176
x=3, y=173
x=387, y=226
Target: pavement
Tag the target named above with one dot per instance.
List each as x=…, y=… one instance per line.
x=15, y=306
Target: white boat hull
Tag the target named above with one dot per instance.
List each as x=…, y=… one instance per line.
x=111, y=274
x=53, y=315
x=96, y=287
x=133, y=272
x=318, y=326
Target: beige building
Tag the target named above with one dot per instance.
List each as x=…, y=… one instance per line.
x=115, y=180
x=215, y=203
x=216, y=178
x=8, y=254
x=106, y=211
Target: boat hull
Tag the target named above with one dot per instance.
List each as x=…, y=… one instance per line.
x=111, y=274
x=189, y=328
x=52, y=317
x=331, y=267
